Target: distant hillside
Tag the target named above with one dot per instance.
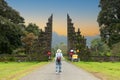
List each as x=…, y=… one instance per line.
x=90, y=38
x=57, y=39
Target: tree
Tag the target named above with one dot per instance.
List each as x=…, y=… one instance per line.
x=28, y=41
x=116, y=49
x=33, y=28
x=109, y=21
x=99, y=48
x=10, y=28
x=63, y=47
x=9, y=13
x=10, y=36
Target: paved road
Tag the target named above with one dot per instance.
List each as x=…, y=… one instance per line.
x=69, y=72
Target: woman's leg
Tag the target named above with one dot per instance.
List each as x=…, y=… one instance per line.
x=60, y=67
x=57, y=67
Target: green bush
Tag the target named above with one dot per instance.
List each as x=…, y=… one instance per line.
x=11, y=59
x=108, y=54
x=116, y=49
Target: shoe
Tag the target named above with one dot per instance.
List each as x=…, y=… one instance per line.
x=60, y=71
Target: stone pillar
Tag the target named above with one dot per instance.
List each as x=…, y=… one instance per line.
x=45, y=39
x=75, y=40
x=70, y=33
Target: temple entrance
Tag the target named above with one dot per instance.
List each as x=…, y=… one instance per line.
x=75, y=42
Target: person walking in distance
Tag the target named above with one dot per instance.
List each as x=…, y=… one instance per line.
x=58, y=57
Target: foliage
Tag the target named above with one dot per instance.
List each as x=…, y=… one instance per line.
x=28, y=41
x=61, y=46
x=18, y=50
x=109, y=21
x=104, y=70
x=9, y=13
x=10, y=37
x=33, y=28
x=116, y=49
x=10, y=28
x=99, y=48
x=15, y=37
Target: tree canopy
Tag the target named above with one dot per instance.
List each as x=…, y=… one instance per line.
x=33, y=28
x=9, y=13
x=109, y=21
x=10, y=28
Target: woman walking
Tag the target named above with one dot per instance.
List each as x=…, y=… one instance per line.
x=58, y=58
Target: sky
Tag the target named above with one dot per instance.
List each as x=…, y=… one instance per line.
x=83, y=13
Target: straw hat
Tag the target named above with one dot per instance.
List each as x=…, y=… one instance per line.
x=58, y=51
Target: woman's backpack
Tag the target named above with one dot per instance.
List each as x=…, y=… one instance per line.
x=59, y=59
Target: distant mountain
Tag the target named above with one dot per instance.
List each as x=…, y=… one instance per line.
x=57, y=39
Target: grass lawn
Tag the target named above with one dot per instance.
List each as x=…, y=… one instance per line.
x=104, y=70
x=15, y=70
